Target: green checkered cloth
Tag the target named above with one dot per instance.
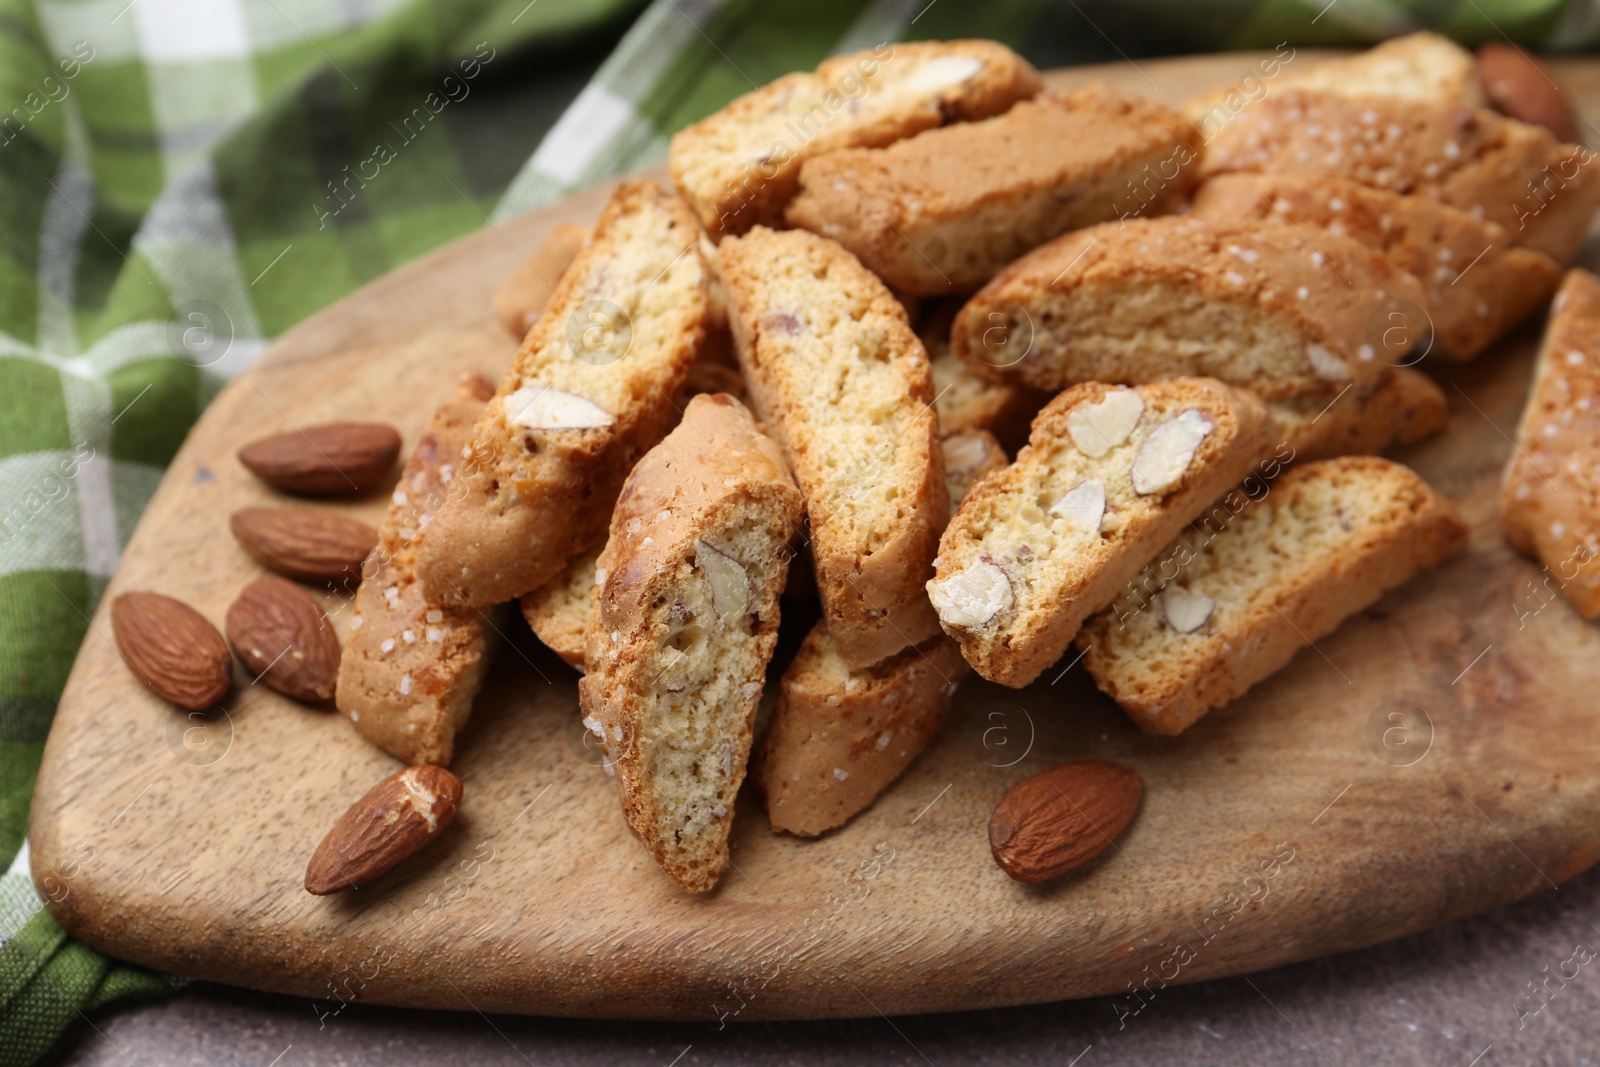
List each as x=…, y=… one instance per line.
x=183, y=180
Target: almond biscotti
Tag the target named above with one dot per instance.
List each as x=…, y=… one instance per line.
x=837, y=376
x=966, y=400
x=518, y=302
x=1478, y=284
x=943, y=211
x=840, y=734
x=968, y=456
x=1253, y=587
x=1542, y=192
x=558, y=611
x=1550, y=500
x=593, y=386
x=1249, y=303
x=740, y=166
x=1401, y=408
x=411, y=668
x=683, y=625
x=1109, y=476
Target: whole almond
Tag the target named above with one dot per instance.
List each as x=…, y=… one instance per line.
x=304, y=543
x=339, y=458
x=282, y=636
x=1520, y=86
x=172, y=649
x=1049, y=824
x=392, y=821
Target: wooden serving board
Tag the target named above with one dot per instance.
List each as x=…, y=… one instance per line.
x=1433, y=758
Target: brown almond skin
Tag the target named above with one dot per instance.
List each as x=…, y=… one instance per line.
x=272, y=615
x=1051, y=823
x=383, y=828
x=335, y=459
x=172, y=649
x=1520, y=86
x=304, y=543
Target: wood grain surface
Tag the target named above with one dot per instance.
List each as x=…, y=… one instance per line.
x=1433, y=758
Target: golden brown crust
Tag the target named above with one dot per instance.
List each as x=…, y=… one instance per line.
x=549, y=453
x=518, y=302
x=837, y=376
x=1401, y=408
x=1045, y=571
x=410, y=669
x=1542, y=192
x=675, y=669
x=942, y=211
x=1550, y=499
x=1325, y=541
x=1249, y=303
x=739, y=166
x=1478, y=285
x=840, y=735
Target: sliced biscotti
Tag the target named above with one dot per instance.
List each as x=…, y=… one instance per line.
x=518, y=302
x=1542, y=192
x=683, y=625
x=840, y=734
x=411, y=668
x=1249, y=303
x=1402, y=407
x=1478, y=284
x=965, y=399
x=1550, y=500
x=740, y=166
x=943, y=211
x=1109, y=475
x=1253, y=586
x=837, y=376
x=558, y=611
x=593, y=386
x=968, y=456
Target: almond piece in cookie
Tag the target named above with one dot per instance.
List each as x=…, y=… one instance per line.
x=840, y=734
x=968, y=456
x=1550, y=500
x=1251, y=303
x=518, y=302
x=1233, y=598
x=1108, y=477
x=1478, y=284
x=943, y=211
x=1540, y=191
x=842, y=383
x=683, y=625
x=1401, y=408
x=740, y=166
x=410, y=668
x=591, y=389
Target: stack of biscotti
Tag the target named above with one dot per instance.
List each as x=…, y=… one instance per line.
x=841, y=381
x=1109, y=475
x=684, y=621
x=594, y=385
x=1550, y=500
x=1234, y=597
x=942, y=211
x=410, y=668
x=740, y=166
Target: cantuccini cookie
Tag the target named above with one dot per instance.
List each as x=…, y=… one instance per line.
x=1109, y=475
x=968, y=456
x=965, y=399
x=1540, y=191
x=1233, y=598
x=518, y=302
x=1550, y=499
x=941, y=212
x=558, y=611
x=593, y=386
x=1478, y=284
x=1249, y=303
x=840, y=734
x=683, y=624
x=1402, y=407
x=740, y=166
x=410, y=667
x=837, y=376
